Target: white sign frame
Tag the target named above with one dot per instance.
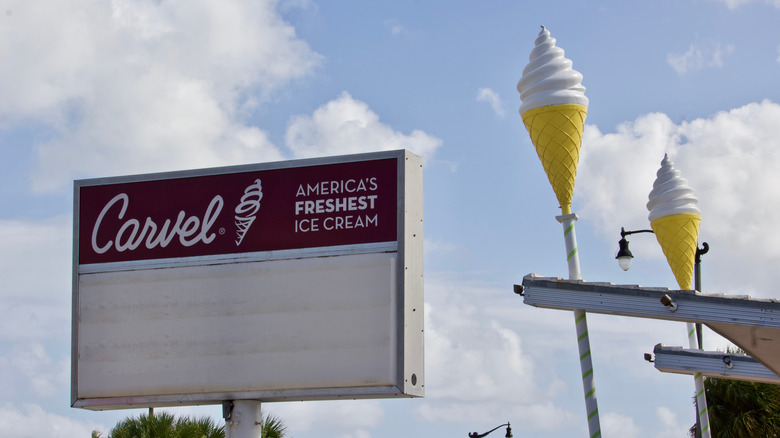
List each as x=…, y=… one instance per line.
x=130, y=347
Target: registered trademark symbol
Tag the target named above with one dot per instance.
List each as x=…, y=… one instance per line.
x=222, y=231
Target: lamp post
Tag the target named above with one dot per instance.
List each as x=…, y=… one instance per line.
x=508, y=432
x=624, y=258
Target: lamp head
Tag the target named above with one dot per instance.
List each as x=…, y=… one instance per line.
x=508, y=431
x=624, y=255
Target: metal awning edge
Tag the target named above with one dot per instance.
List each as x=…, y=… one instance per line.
x=752, y=324
x=716, y=364
x=644, y=302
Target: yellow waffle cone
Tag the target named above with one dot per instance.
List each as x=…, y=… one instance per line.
x=556, y=131
x=678, y=235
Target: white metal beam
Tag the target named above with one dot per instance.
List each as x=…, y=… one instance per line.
x=716, y=364
x=751, y=324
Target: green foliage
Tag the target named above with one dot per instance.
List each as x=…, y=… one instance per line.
x=740, y=409
x=743, y=409
x=165, y=425
x=273, y=428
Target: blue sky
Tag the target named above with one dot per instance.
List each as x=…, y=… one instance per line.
x=92, y=88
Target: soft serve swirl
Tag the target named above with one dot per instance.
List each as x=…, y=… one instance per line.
x=671, y=194
x=548, y=79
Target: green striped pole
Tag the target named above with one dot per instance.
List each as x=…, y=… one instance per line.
x=701, y=398
x=581, y=323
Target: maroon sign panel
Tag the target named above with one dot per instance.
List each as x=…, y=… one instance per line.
x=263, y=210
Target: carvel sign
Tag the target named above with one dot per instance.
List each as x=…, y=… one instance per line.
x=294, y=280
x=261, y=210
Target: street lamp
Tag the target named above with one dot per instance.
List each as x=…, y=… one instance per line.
x=508, y=432
x=624, y=255
x=624, y=258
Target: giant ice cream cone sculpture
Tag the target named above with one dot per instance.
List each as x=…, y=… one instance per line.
x=675, y=220
x=553, y=111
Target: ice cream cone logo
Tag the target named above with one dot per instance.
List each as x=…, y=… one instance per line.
x=553, y=110
x=675, y=220
x=247, y=209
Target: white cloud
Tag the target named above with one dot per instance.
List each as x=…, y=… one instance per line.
x=477, y=368
x=464, y=347
x=143, y=86
x=348, y=419
x=617, y=170
x=730, y=161
x=459, y=344
x=525, y=417
x=345, y=126
x=28, y=369
x=287, y=5
x=491, y=97
x=35, y=266
x=734, y=4
x=619, y=425
x=181, y=127
x=31, y=421
x=669, y=425
x=35, y=309
x=696, y=58
x=440, y=248
x=394, y=26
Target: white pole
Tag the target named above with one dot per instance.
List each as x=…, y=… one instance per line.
x=581, y=322
x=701, y=398
x=244, y=421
